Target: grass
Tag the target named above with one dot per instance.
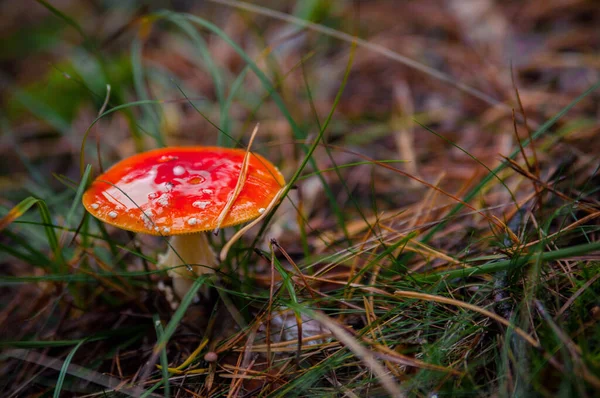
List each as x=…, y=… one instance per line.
x=470, y=271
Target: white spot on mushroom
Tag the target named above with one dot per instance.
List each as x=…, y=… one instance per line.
x=178, y=170
x=192, y=221
x=112, y=214
x=152, y=195
x=167, y=158
x=201, y=204
x=166, y=230
x=245, y=205
x=95, y=206
x=261, y=210
x=147, y=221
x=163, y=200
x=156, y=229
x=207, y=191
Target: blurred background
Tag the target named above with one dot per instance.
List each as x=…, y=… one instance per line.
x=57, y=61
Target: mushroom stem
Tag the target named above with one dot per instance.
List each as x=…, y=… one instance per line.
x=192, y=249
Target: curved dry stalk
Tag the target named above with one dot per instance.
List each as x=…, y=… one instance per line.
x=240, y=182
x=242, y=231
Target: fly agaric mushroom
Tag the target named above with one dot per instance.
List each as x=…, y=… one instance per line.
x=182, y=192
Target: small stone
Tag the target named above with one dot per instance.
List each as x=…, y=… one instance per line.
x=211, y=356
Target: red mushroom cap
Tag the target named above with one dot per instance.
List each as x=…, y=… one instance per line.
x=181, y=190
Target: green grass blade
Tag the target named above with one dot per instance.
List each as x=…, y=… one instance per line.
x=173, y=324
x=77, y=200
x=164, y=362
x=68, y=20
x=64, y=368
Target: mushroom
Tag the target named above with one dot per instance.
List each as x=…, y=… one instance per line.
x=182, y=192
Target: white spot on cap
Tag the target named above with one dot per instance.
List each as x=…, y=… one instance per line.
x=192, y=221
x=95, y=206
x=201, y=204
x=207, y=191
x=156, y=229
x=166, y=230
x=163, y=200
x=178, y=170
x=261, y=210
x=147, y=221
x=112, y=214
x=152, y=195
x=166, y=158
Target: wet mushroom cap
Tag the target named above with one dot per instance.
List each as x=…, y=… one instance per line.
x=181, y=190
